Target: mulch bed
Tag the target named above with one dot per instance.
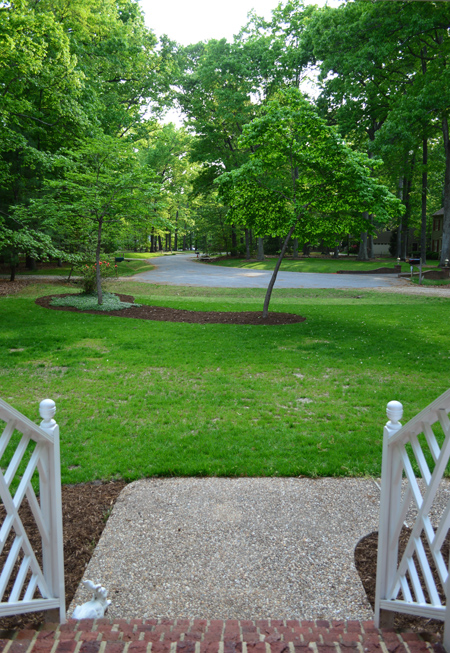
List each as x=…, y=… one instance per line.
x=86, y=508
x=366, y=564
x=164, y=314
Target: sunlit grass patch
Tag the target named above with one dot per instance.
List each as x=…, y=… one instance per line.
x=138, y=398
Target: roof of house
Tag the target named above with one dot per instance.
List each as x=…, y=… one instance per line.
x=440, y=212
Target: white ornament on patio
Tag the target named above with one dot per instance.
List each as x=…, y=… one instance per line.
x=97, y=606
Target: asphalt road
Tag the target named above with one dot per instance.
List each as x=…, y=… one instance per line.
x=185, y=270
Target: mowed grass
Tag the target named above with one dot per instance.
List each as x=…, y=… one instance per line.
x=124, y=269
x=140, y=398
x=312, y=264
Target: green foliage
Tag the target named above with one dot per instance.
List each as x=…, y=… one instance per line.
x=88, y=275
x=301, y=174
x=88, y=301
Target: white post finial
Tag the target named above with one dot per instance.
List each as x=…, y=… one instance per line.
x=394, y=411
x=47, y=409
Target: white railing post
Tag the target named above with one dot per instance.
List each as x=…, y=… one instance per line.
x=51, y=506
x=391, y=488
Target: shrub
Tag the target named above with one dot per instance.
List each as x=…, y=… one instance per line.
x=88, y=274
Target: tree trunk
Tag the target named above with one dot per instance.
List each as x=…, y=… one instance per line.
x=362, y=254
x=247, y=244
x=400, y=222
x=275, y=272
x=12, y=275
x=445, y=251
x=295, y=251
x=30, y=263
x=97, y=263
x=306, y=249
x=260, y=256
x=175, y=244
x=160, y=244
x=336, y=252
x=233, y=237
x=423, y=230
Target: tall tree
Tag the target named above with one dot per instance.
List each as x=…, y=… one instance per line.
x=301, y=177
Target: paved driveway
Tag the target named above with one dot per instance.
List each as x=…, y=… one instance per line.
x=185, y=270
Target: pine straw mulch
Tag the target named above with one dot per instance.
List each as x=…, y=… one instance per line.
x=86, y=508
x=366, y=552
x=164, y=314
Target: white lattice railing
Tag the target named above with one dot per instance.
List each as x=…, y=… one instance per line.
x=410, y=582
x=25, y=584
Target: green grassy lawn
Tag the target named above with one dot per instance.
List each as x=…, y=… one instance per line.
x=124, y=269
x=314, y=264
x=431, y=282
x=139, y=398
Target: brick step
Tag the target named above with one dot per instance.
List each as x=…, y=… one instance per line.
x=214, y=636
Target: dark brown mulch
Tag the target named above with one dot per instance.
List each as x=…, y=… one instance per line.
x=86, y=508
x=164, y=314
x=366, y=564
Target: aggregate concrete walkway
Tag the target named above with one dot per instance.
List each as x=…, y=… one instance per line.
x=215, y=636
x=185, y=270
x=243, y=548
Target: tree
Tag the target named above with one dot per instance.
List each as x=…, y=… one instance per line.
x=301, y=178
x=101, y=187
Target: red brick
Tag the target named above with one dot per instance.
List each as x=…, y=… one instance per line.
x=184, y=623
x=89, y=647
x=199, y=624
x=208, y=647
x=271, y=639
x=66, y=646
x=307, y=624
x=233, y=647
x=256, y=647
x=338, y=623
x=410, y=637
x=130, y=637
x=369, y=626
x=150, y=622
x=278, y=647
x=41, y=646
x=89, y=637
x=322, y=648
x=114, y=647
x=354, y=626
x=112, y=636
x=353, y=638
x=160, y=647
x=136, y=622
x=48, y=635
x=3, y=643
x=25, y=634
x=372, y=648
x=251, y=638
x=395, y=647
x=300, y=646
x=417, y=647
x=145, y=628
x=262, y=623
x=186, y=647
x=152, y=637
x=322, y=623
x=138, y=647
x=85, y=624
x=275, y=623
x=292, y=623
x=20, y=647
